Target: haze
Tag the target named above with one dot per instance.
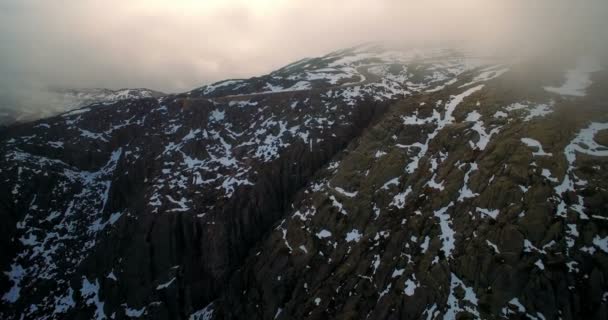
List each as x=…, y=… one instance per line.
x=179, y=45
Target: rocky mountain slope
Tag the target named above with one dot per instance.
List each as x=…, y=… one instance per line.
x=367, y=183
x=35, y=105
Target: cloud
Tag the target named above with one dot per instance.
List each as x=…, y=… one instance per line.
x=178, y=45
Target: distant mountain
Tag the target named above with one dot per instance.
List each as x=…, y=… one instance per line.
x=365, y=184
x=54, y=101
x=84, y=97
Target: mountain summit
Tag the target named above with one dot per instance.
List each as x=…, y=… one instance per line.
x=367, y=183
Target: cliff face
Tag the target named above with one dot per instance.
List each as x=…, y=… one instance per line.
x=364, y=183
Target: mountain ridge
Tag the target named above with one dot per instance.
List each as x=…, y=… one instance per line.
x=60, y=100
x=264, y=197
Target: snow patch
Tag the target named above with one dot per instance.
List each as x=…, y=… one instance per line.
x=353, y=235
x=323, y=234
x=577, y=79
x=535, y=144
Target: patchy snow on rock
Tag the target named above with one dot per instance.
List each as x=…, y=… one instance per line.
x=530, y=110
x=425, y=244
x=379, y=154
x=90, y=292
x=301, y=85
x=55, y=144
x=269, y=144
x=506, y=311
x=391, y=182
x=385, y=291
x=98, y=225
x=376, y=263
x=399, y=199
x=571, y=234
x=338, y=205
x=166, y=284
x=539, y=264
x=442, y=86
x=298, y=86
x=529, y=247
x=305, y=215
x=535, y=144
x=455, y=305
x=548, y=175
x=540, y=110
x=284, y=231
x=473, y=116
x=410, y=286
x=346, y=193
x=484, y=137
x=500, y=114
x=76, y=112
x=43, y=255
x=583, y=143
x=441, y=122
x=435, y=185
x=493, y=246
x=601, y=243
x=517, y=106
x=447, y=233
x=217, y=116
x=353, y=236
x=397, y=273
x=15, y=275
x=112, y=276
x=65, y=302
x=212, y=87
x=132, y=312
x=518, y=304
x=323, y=234
x=487, y=212
x=204, y=314
x=181, y=204
x=465, y=192
x=487, y=74
x=92, y=135
x=431, y=312
x=242, y=104
x=333, y=165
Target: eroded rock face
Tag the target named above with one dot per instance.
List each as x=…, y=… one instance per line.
x=366, y=183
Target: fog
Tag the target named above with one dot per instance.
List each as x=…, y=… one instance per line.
x=177, y=45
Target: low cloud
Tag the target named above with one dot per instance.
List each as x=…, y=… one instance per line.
x=178, y=45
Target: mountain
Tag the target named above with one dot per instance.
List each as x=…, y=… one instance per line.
x=367, y=183
x=35, y=105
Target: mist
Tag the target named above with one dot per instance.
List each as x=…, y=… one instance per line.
x=174, y=46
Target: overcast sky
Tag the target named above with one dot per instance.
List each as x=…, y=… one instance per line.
x=177, y=45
